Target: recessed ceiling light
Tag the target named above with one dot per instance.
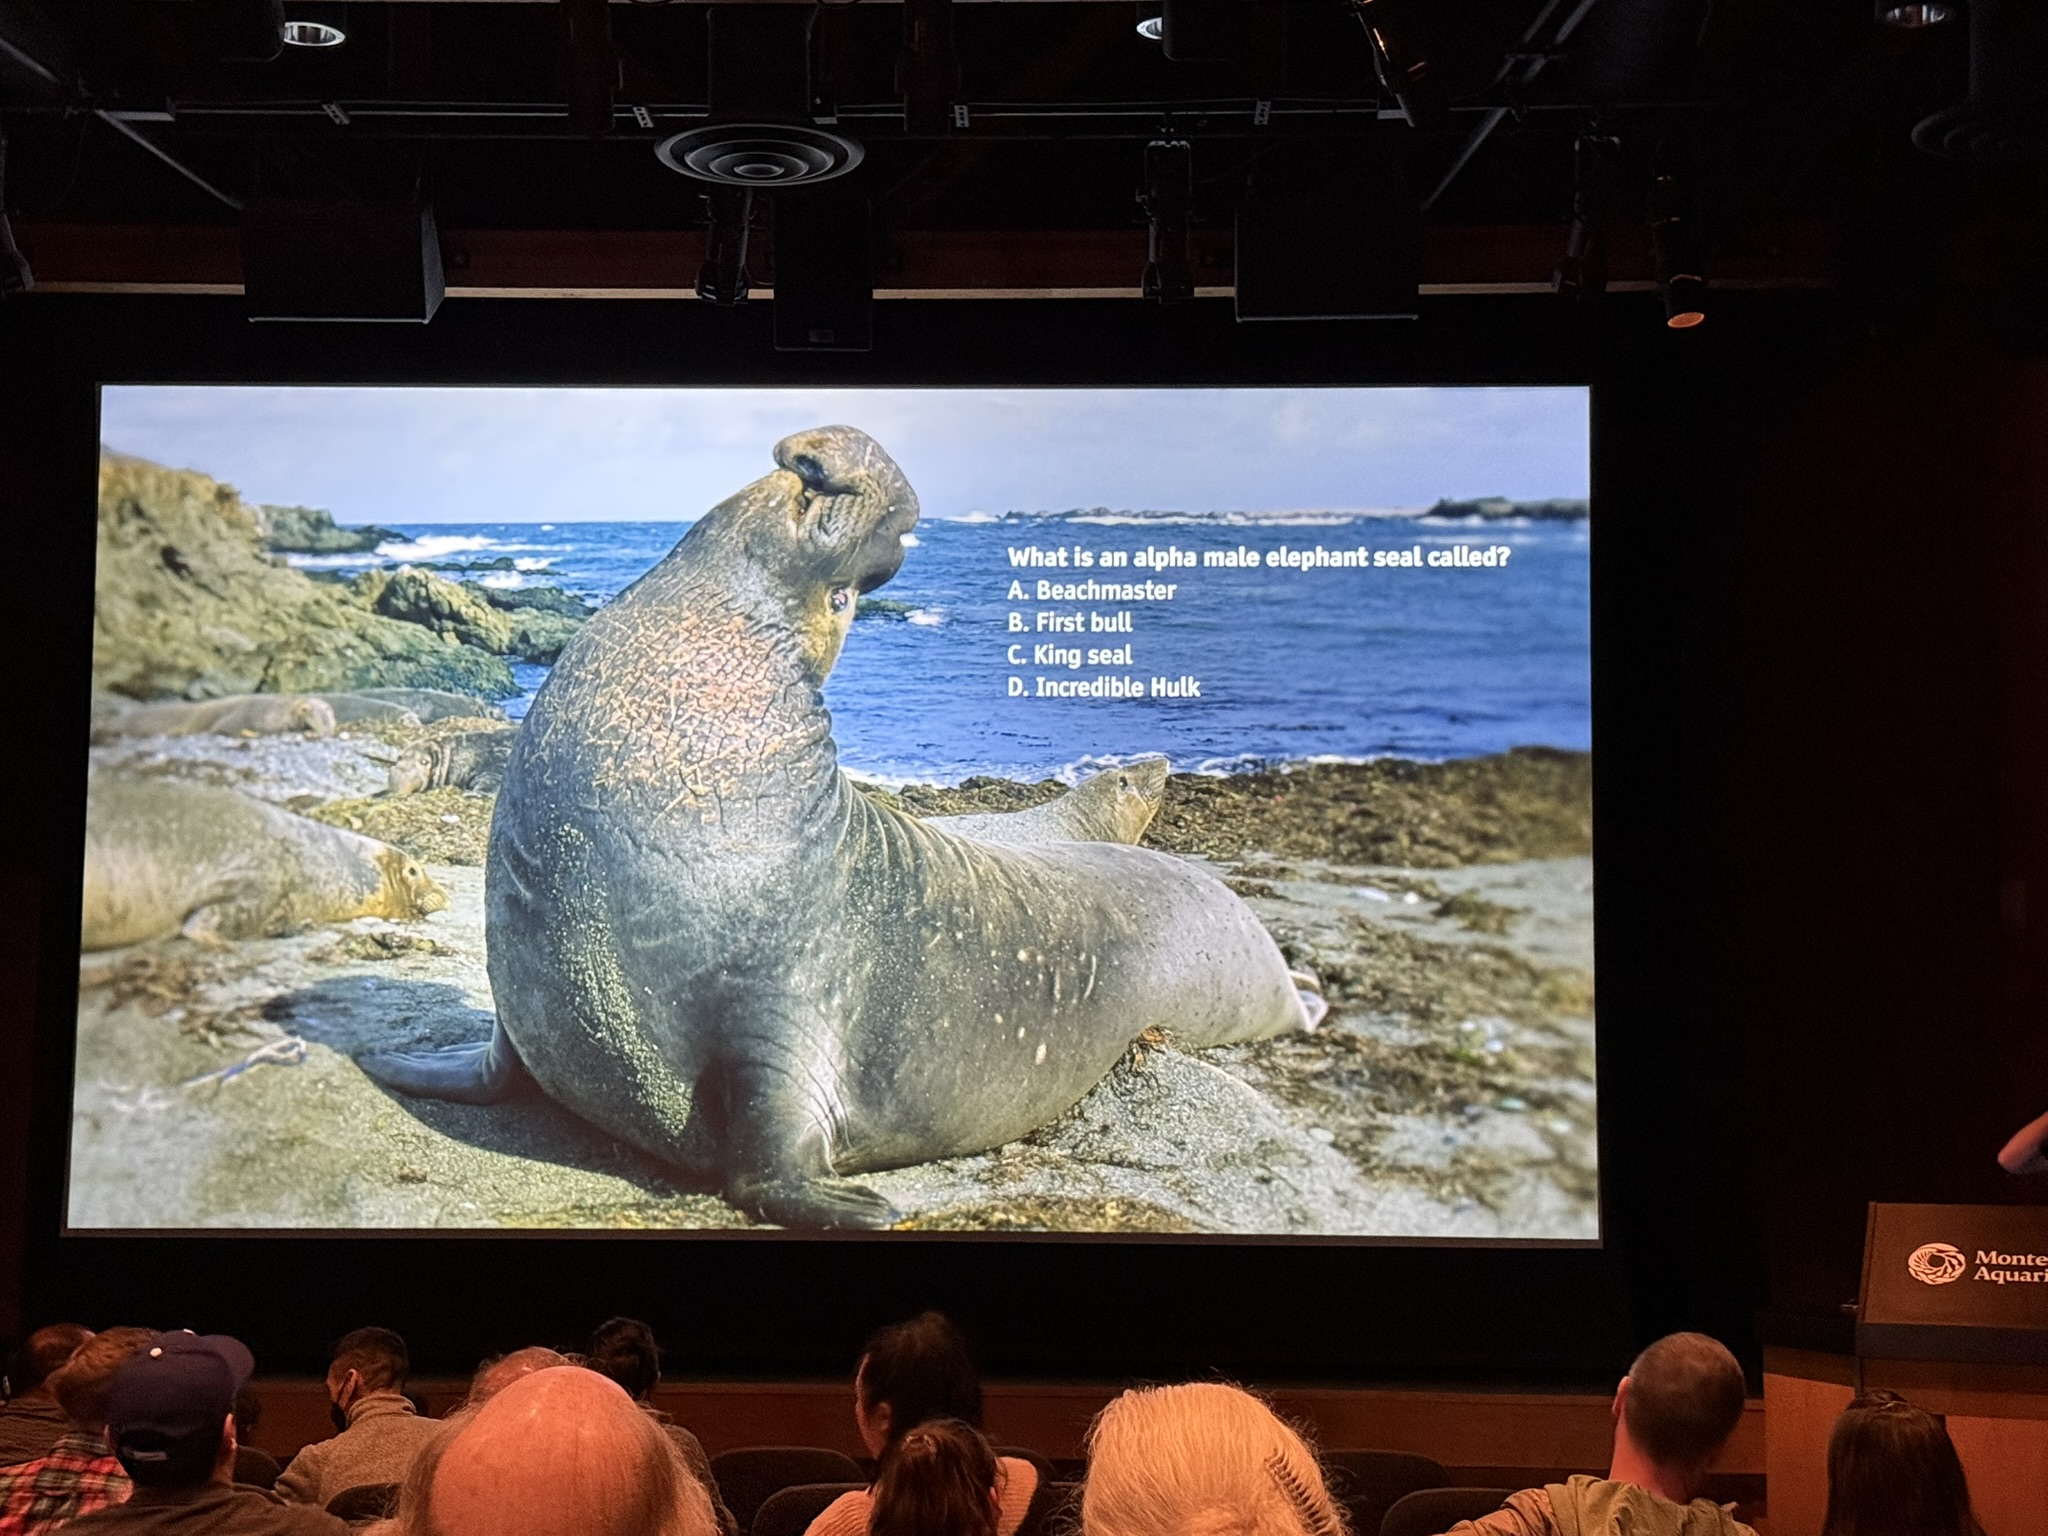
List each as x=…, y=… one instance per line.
x=1152, y=28
x=1923, y=13
x=313, y=34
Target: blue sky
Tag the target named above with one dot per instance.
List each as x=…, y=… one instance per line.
x=564, y=455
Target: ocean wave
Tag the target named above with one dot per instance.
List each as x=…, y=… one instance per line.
x=504, y=581
x=434, y=546
x=965, y=517
x=927, y=616
x=911, y=541
x=531, y=564
x=331, y=562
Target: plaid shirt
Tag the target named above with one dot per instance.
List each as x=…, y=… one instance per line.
x=76, y=1477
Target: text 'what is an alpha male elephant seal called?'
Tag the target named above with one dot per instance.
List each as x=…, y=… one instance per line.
x=707, y=940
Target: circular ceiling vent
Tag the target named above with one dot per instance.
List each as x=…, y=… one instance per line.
x=759, y=154
x=2005, y=132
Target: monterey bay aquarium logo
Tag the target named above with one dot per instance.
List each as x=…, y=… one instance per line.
x=1940, y=1263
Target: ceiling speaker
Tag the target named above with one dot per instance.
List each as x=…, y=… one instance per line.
x=759, y=154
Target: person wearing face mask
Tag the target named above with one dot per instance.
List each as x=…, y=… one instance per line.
x=380, y=1432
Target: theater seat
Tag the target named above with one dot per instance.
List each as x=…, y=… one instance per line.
x=1055, y=1511
x=790, y=1511
x=365, y=1504
x=1432, y=1511
x=748, y=1475
x=1368, y=1483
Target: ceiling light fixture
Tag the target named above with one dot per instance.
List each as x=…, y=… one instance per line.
x=1907, y=17
x=313, y=34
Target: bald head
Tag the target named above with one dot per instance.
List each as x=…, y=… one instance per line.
x=494, y=1376
x=559, y=1449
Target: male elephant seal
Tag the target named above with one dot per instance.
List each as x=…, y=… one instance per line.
x=163, y=857
x=1113, y=806
x=706, y=940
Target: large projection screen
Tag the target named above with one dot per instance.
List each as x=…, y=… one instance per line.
x=530, y=809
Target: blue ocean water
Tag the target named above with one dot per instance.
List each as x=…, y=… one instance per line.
x=1427, y=662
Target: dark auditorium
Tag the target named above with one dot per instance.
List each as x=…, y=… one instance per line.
x=857, y=768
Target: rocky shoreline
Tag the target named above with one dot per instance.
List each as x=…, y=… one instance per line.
x=1450, y=1093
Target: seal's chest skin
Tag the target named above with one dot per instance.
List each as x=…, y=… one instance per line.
x=704, y=939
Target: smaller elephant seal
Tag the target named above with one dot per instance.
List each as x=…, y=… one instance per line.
x=359, y=708
x=238, y=714
x=432, y=704
x=471, y=760
x=163, y=857
x=1113, y=806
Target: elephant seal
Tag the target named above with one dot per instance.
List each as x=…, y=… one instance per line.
x=472, y=760
x=238, y=714
x=706, y=940
x=358, y=708
x=432, y=704
x=163, y=857
x=1113, y=806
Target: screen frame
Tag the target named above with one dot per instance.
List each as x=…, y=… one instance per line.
x=1586, y=1297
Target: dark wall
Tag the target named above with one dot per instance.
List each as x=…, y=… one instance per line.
x=1719, y=826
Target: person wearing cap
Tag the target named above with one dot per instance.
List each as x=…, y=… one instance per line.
x=30, y=1420
x=171, y=1420
x=78, y=1474
x=380, y=1430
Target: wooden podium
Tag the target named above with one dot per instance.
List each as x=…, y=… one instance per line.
x=1953, y=1316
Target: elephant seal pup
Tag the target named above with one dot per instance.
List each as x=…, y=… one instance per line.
x=238, y=714
x=706, y=940
x=472, y=760
x=432, y=704
x=357, y=708
x=1113, y=806
x=163, y=857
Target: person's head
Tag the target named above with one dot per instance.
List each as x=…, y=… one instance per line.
x=909, y=1374
x=624, y=1349
x=939, y=1479
x=560, y=1449
x=1679, y=1403
x=500, y=1371
x=365, y=1361
x=1892, y=1471
x=82, y=1383
x=1202, y=1459
x=40, y=1355
x=170, y=1409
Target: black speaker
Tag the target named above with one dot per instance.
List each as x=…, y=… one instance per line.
x=1328, y=232
x=824, y=271
x=341, y=261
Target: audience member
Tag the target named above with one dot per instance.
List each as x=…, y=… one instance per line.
x=1893, y=1471
x=380, y=1431
x=254, y=1467
x=910, y=1374
x=1202, y=1459
x=30, y=1420
x=624, y=1349
x=562, y=1449
x=500, y=1371
x=939, y=1479
x=79, y=1474
x=1673, y=1412
x=170, y=1417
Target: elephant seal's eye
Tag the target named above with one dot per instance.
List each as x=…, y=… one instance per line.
x=841, y=596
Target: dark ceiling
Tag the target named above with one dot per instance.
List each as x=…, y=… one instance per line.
x=1786, y=127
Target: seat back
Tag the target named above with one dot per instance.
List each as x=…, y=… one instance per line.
x=748, y=1475
x=790, y=1511
x=1432, y=1511
x=1055, y=1511
x=1367, y=1483
x=364, y=1504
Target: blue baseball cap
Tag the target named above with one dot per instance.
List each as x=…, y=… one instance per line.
x=168, y=1401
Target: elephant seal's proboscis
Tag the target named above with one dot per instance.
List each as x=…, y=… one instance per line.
x=707, y=941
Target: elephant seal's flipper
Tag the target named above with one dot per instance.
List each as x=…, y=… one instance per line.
x=479, y=1072
x=799, y=1202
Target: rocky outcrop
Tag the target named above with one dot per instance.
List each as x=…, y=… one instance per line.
x=312, y=531
x=189, y=604
x=533, y=630
x=1494, y=509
